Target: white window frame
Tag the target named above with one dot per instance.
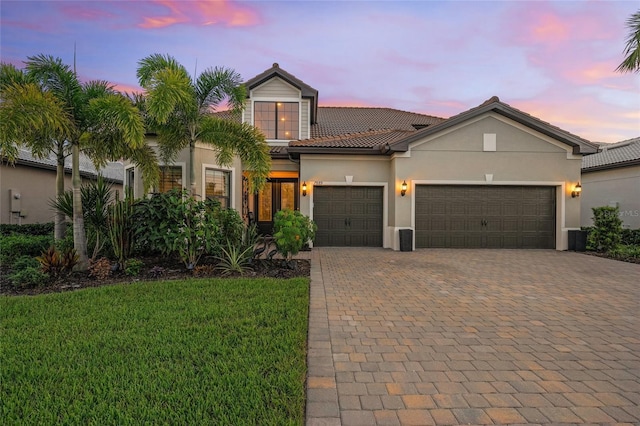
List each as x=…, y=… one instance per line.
x=232, y=182
x=298, y=100
x=183, y=167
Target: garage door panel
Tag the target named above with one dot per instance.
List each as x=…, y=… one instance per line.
x=457, y=224
x=510, y=224
x=485, y=216
x=471, y=240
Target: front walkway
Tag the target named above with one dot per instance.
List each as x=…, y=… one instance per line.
x=472, y=337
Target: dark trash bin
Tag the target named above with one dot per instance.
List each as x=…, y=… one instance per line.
x=577, y=240
x=406, y=240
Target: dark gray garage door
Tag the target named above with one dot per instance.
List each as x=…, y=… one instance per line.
x=348, y=216
x=485, y=216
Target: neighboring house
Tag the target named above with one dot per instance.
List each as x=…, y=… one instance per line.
x=28, y=186
x=492, y=176
x=612, y=178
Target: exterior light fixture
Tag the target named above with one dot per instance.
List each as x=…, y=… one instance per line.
x=576, y=190
x=403, y=188
x=304, y=189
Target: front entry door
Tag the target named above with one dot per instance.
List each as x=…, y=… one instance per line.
x=277, y=194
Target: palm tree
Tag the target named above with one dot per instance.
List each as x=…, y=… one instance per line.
x=180, y=110
x=36, y=119
x=102, y=123
x=632, y=50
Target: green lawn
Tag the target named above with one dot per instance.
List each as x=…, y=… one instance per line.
x=207, y=351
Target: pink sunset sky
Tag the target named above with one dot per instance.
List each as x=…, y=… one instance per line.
x=552, y=59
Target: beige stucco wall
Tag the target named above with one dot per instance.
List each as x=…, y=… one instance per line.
x=37, y=186
x=522, y=157
x=613, y=187
x=456, y=156
x=204, y=157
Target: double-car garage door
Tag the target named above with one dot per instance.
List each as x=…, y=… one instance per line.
x=455, y=216
x=485, y=216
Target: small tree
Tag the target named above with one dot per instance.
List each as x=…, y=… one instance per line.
x=607, y=228
x=291, y=231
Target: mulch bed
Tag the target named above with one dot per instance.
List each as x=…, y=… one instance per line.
x=161, y=269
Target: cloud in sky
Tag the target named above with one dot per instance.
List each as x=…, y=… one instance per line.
x=553, y=59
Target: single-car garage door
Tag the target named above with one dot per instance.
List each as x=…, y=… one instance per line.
x=485, y=216
x=348, y=216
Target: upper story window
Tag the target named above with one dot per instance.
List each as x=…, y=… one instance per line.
x=218, y=186
x=277, y=120
x=170, y=178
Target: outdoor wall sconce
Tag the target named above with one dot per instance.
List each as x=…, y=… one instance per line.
x=576, y=190
x=403, y=188
x=304, y=189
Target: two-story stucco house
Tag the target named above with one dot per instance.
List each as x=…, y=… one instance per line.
x=492, y=176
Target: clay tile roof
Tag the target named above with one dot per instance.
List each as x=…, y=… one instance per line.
x=613, y=155
x=369, y=139
x=229, y=115
x=334, y=121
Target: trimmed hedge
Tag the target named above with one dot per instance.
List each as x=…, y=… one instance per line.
x=15, y=246
x=631, y=237
x=30, y=229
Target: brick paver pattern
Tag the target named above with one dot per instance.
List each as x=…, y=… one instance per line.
x=472, y=337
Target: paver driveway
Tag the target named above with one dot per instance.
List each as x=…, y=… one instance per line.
x=472, y=337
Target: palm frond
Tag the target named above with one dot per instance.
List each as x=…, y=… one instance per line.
x=9, y=75
x=214, y=85
x=27, y=115
x=56, y=77
x=152, y=64
x=241, y=139
x=173, y=137
x=167, y=91
x=631, y=63
x=116, y=122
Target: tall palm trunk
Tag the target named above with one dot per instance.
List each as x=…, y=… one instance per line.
x=59, y=221
x=79, y=237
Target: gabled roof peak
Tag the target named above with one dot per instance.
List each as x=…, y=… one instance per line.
x=492, y=100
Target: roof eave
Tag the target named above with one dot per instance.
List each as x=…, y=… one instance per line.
x=297, y=150
x=629, y=163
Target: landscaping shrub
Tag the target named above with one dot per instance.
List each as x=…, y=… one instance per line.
x=154, y=219
x=121, y=229
x=24, y=262
x=625, y=252
x=133, y=267
x=96, y=197
x=231, y=225
x=291, y=231
x=14, y=246
x=26, y=272
x=630, y=237
x=235, y=259
x=32, y=229
x=176, y=223
x=607, y=229
x=57, y=264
